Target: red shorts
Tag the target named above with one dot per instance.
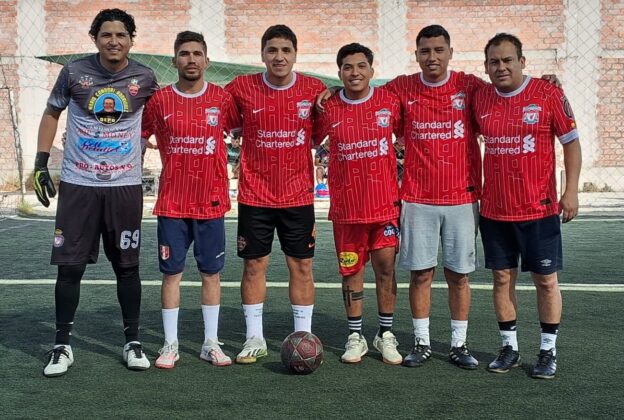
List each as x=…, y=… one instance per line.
x=355, y=241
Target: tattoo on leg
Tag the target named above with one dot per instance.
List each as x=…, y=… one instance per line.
x=349, y=296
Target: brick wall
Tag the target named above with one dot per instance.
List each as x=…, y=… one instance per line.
x=8, y=78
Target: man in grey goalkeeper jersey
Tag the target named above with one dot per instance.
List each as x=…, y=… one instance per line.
x=100, y=192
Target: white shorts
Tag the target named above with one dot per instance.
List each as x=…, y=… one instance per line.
x=422, y=227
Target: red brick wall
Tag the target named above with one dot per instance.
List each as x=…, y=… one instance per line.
x=8, y=78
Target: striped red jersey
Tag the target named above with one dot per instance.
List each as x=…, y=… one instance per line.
x=519, y=164
x=276, y=167
x=362, y=171
x=442, y=158
x=189, y=132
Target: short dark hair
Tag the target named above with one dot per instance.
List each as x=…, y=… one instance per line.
x=189, y=36
x=110, y=15
x=504, y=37
x=351, y=49
x=433, y=31
x=278, y=31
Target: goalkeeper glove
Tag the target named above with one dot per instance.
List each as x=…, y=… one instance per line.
x=44, y=186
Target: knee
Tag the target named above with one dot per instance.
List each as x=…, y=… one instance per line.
x=71, y=273
x=126, y=273
x=546, y=284
x=421, y=277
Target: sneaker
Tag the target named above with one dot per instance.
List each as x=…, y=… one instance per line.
x=212, y=353
x=507, y=358
x=60, y=359
x=546, y=365
x=387, y=345
x=168, y=356
x=134, y=357
x=356, y=347
x=419, y=355
x=253, y=349
x=461, y=356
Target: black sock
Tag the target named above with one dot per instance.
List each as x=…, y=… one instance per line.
x=385, y=322
x=549, y=328
x=66, y=297
x=507, y=325
x=129, y=296
x=355, y=324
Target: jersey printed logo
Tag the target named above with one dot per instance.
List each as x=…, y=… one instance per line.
x=459, y=101
x=484, y=116
x=166, y=117
x=301, y=135
x=383, y=117
x=86, y=81
x=164, y=252
x=528, y=144
x=133, y=87
x=255, y=111
x=108, y=104
x=458, y=129
x=567, y=109
x=59, y=239
x=336, y=124
x=303, y=109
x=530, y=114
x=210, y=146
x=348, y=259
x=412, y=102
x=383, y=147
x=212, y=116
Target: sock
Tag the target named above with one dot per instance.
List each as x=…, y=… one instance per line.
x=129, y=296
x=302, y=316
x=253, y=320
x=459, y=330
x=549, y=337
x=170, y=324
x=507, y=330
x=355, y=324
x=67, y=296
x=210, y=314
x=385, y=322
x=421, y=331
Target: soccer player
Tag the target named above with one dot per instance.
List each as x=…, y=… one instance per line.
x=519, y=117
x=276, y=184
x=364, y=208
x=440, y=188
x=321, y=159
x=100, y=193
x=189, y=119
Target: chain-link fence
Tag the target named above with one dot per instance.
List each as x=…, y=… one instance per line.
x=582, y=41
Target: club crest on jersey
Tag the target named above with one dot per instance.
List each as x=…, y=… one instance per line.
x=212, y=116
x=530, y=114
x=59, y=239
x=86, y=81
x=383, y=117
x=164, y=252
x=303, y=109
x=134, y=87
x=459, y=101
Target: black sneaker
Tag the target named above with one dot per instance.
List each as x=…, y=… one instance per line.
x=419, y=355
x=461, y=357
x=507, y=358
x=546, y=365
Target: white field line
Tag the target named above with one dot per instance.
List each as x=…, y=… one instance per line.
x=574, y=287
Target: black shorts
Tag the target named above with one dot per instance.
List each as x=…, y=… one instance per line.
x=295, y=230
x=536, y=242
x=84, y=213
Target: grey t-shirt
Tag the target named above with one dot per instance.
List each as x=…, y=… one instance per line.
x=103, y=145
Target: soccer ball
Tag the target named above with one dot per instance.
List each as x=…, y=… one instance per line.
x=302, y=352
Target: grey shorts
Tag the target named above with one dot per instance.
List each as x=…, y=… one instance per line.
x=424, y=227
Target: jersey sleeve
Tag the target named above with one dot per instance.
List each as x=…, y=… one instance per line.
x=397, y=118
x=61, y=94
x=147, y=122
x=563, y=121
x=319, y=129
x=232, y=89
x=232, y=116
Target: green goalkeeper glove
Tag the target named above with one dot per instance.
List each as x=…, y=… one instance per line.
x=44, y=186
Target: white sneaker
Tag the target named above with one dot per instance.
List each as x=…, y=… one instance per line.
x=61, y=359
x=253, y=349
x=134, y=357
x=356, y=348
x=168, y=356
x=212, y=353
x=387, y=345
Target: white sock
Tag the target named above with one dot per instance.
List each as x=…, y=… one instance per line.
x=210, y=314
x=509, y=338
x=253, y=320
x=170, y=324
x=548, y=341
x=459, y=331
x=302, y=315
x=421, y=330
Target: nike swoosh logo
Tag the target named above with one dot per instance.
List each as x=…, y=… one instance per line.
x=334, y=125
x=485, y=115
x=166, y=117
x=255, y=111
x=413, y=101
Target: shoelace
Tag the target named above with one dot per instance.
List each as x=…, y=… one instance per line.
x=137, y=349
x=55, y=354
x=353, y=342
x=543, y=359
x=169, y=348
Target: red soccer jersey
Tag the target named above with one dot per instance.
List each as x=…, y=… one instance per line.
x=276, y=167
x=362, y=172
x=189, y=132
x=442, y=158
x=519, y=163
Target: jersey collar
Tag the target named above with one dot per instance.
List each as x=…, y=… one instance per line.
x=272, y=86
x=356, y=101
x=436, y=84
x=524, y=84
x=190, y=95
